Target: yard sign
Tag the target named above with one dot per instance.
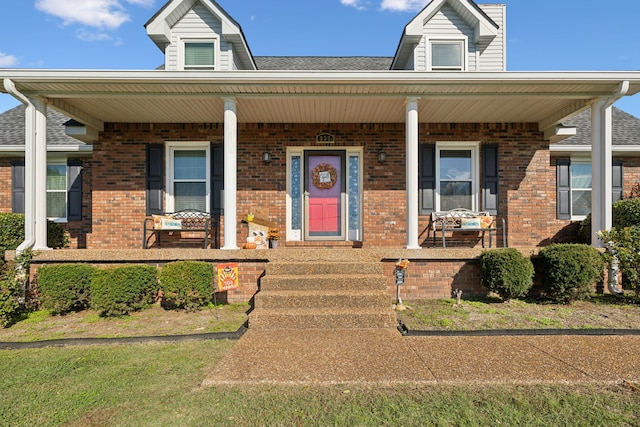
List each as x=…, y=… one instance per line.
x=227, y=276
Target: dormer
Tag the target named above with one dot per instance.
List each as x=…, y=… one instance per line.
x=454, y=35
x=199, y=35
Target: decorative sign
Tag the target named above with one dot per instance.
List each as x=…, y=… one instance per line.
x=400, y=273
x=227, y=277
x=325, y=138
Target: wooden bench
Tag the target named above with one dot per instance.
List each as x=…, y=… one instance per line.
x=463, y=220
x=187, y=220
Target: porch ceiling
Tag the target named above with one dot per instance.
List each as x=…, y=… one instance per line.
x=98, y=97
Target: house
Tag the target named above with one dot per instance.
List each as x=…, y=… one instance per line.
x=339, y=152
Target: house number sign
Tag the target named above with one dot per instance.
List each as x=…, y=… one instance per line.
x=325, y=138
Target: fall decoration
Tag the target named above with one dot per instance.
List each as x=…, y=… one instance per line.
x=324, y=176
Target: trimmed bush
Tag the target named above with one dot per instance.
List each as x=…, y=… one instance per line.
x=117, y=291
x=570, y=271
x=12, y=233
x=506, y=272
x=186, y=284
x=626, y=213
x=10, y=306
x=65, y=287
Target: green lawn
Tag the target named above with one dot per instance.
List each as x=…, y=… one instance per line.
x=158, y=384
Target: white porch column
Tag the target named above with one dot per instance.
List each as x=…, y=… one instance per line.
x=230, y=174
x=40, y=176
x=412, y=172
x=601, y=157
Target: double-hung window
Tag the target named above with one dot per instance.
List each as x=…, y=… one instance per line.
x=457, y=177
x=199, y=54
x=580, y=189
x=188, y=172
x=57, y=191
x=447, y=55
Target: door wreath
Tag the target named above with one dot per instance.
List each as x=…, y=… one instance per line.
x=324, y=176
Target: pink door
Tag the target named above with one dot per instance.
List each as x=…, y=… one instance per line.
x=324, y=193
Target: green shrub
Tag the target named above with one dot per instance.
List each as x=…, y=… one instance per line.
x=626, y=213
x=65, y=287
x=12, y=233
x=186, y=284
x=117, y=291
x=506, y=272
x=570, y=271
x=626, y=243
x=10, y=293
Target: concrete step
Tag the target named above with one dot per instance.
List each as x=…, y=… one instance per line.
x=290, y=318
x=323, y=267
x=317, y=299
x=323, y=282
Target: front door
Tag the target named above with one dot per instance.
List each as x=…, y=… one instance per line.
x=325, y=195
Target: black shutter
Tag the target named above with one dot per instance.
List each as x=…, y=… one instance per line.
x=490, y=178
x=155, y=177
x=74, y=190
x=427, y=178
x=563, y=186
x=617, y=181
x=17, y=186
x=217, y=178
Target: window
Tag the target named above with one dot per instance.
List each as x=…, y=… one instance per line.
x=447, y=55
x=188, y=183
x=57, y=191
x=199, y=54
x=457, y=180
x=574, y=185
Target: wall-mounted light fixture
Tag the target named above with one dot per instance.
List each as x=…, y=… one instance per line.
x=266, y=156
x=382, y=156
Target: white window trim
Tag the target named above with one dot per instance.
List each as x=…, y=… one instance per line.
x=61, y=161
x=474, y=147
x=463, y=41
x=170, y=148
x=197, y=38
x=578, y=160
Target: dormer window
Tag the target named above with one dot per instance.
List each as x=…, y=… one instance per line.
x=447, y=55
x=199, y=54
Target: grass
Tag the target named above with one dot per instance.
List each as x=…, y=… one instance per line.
x=159, y=385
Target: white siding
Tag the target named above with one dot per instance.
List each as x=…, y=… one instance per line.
x=493, y=57
x=199, y=22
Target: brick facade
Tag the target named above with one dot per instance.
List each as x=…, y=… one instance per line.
x=114, y=205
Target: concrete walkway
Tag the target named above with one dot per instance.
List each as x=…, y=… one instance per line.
x=384, y=356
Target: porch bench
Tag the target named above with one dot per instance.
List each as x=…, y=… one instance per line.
x=186, y=220
x=462, y=220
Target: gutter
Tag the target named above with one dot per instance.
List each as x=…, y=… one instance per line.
x=29, y=232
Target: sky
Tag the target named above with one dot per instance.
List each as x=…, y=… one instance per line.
x=542, y=35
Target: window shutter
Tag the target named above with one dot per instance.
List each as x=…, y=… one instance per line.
x=155, y=176
x=74, y=190
x=563, y=185
x=490, y=178
x=217, y=178
x=17, y=186
x=427, y=178
x=617, y=181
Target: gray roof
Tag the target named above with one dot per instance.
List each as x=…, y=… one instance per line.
x=318, y=63
x=12, y=128
x=625, y=129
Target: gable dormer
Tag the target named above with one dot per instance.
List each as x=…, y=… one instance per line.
x=199, y=35
x=454, y=35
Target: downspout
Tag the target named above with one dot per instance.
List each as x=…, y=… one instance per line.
x=29, y=232
x=613, y=269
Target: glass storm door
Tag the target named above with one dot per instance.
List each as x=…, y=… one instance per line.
x=324, y=195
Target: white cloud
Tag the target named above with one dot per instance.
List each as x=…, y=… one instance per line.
x=109, y=14
x=89, y=36
x=7, y=60
x=354, y=3
x=403, y=5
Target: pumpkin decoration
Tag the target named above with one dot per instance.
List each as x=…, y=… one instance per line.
x=324, y=176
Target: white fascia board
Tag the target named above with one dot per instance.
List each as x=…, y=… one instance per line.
x=4, y=149
x=616, y=149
